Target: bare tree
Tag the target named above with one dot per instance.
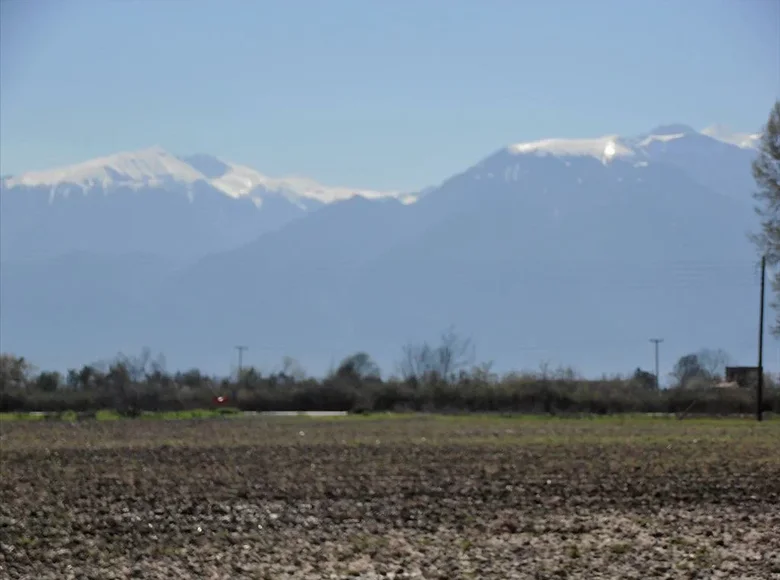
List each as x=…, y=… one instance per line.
x=142, y=367
x=119, y=381
x=766, y=172
x=292, y=369
x=127, y=377
x=412, y=364
x=703, y=366
x=713, y=362
x=425, y=363
x=483, y=373
x=545, y=370
x=453, y=354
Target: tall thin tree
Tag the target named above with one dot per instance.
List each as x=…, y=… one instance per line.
x=766, y=172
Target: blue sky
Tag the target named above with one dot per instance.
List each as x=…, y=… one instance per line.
x=370, y=93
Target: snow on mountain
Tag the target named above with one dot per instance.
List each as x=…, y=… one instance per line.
x=611, y=147
x=145, y=168
x=662, y=135
x=714, y=157
x=208, y=165
x=577, y=248
x=556, y=244
x=151, y=201
x=240, y=180
x=742, y=140
x=604, y=148
x=155, y=167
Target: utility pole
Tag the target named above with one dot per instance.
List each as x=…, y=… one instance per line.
x=760, y=382
x=240, y=350
x=657, y=341
x=239, y=378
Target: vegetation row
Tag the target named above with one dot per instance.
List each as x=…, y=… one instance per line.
x=429, y=378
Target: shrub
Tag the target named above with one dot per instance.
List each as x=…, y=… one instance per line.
x=356, y=387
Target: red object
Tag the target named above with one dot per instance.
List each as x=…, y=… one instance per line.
x=219, y=400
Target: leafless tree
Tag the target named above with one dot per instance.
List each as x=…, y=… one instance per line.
x=292, y=368
x=127, y=376
x=702, y=367
x=713, y=362
x=425, y=363
x=766, y=172
x=483, y=373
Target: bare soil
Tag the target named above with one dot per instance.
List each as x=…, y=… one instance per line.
x=421, y=497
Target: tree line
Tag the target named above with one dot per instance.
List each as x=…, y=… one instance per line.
x=428, y=378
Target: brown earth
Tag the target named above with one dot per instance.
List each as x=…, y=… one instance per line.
x=420, y=497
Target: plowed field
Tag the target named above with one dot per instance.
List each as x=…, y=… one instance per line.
x=412, y=497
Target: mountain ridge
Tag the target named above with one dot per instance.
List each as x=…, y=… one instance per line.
x=139, y=167
x=154, y=166
x=573, y=258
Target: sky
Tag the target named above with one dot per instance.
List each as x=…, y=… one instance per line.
x=387, y=95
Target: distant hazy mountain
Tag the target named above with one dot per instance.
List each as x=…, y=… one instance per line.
x=715, y=157
x=150, y=201
x=81, y=304
x=569, y=250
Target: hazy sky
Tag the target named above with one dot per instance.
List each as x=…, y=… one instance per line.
x=370, y=93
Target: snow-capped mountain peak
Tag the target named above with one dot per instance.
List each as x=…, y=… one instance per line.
x=742, y=140
x=147, y=167
x=155, y=167
x=663, y=134
x=605, y=148
x=610, y=147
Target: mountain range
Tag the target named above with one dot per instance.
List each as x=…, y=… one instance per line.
x=153, y=202
x=572, y=251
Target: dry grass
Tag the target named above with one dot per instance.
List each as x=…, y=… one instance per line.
x=412, y=497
